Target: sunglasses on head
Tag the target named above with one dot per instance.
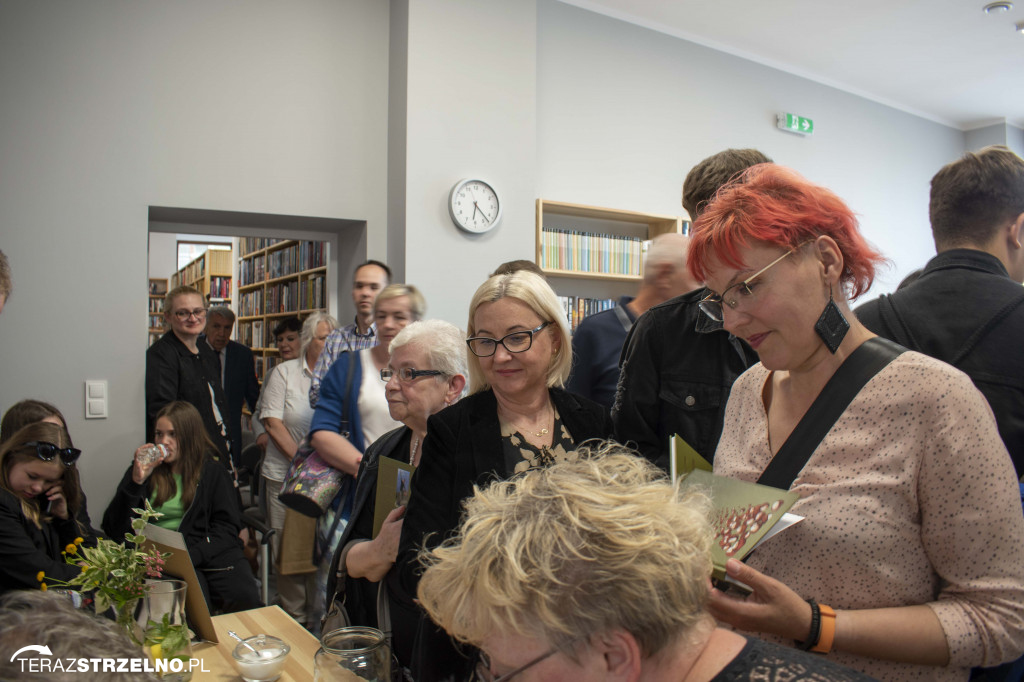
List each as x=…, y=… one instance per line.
x=47, y=451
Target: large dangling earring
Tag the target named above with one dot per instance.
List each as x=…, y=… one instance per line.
x=832, y=325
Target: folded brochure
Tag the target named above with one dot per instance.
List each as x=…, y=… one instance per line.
x=394, y=486
x=743, y=514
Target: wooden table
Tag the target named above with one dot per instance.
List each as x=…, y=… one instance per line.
x=269, y=620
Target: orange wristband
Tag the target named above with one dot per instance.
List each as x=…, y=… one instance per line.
x=828, y=630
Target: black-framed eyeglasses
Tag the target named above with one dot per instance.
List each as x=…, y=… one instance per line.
x=198, y=313
x=516, y=342
x=711, y=305
x=47, y=451
x=408, y=374
x=483, y=667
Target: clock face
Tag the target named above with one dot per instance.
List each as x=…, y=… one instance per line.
x=474, y=206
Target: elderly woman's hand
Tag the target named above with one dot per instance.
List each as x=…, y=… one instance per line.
x=372, y=560
x=771, y=607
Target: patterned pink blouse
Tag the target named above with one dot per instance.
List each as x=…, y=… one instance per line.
x=911, y=498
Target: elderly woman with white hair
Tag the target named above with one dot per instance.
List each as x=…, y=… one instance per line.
x=591, y=570
x=285, y=413
x=517, y=417
x=425, y=374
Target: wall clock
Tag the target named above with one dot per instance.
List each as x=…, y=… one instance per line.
x=474, y=206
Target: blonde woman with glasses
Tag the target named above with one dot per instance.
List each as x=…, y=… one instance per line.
x=178, y=367
x=517, y=417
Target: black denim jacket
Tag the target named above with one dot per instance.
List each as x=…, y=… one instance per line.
x=676, y=370
x=965, y=310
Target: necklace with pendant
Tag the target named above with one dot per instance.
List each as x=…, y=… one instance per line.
x=536, y=434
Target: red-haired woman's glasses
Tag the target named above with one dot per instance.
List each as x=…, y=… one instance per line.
x=711, y=305
x=47, y=451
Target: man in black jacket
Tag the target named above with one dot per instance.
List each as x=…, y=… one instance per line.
x=237, y=372
x=677, y=365
x=967, y=307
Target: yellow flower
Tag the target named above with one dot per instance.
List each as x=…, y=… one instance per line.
x=40, y=575
x=71, y=548
x=43, y=587
x=79, y=541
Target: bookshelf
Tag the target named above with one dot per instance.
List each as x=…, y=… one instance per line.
x=593, y=255
x=157, y=292
x=210, y=274
x=277, y=278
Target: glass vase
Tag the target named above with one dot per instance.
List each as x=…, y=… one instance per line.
x=166, y=637
x=353, y=654
x=125, y=617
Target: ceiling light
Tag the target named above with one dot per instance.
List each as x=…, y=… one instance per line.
x=998, y=7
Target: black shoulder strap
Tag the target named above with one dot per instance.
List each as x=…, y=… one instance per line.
x=346, y=429
x=868, y=360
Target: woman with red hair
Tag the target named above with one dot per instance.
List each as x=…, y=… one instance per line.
x=909, y=563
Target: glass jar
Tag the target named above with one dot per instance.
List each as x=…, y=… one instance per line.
x=167, y=638
x=353, y=654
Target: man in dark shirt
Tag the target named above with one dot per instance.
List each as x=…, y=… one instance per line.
x=677, y=365
x=597, y=342
x=967, y=307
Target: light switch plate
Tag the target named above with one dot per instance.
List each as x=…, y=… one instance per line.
x=96, y=399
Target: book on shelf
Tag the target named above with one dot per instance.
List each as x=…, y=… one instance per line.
x=282, y=297
x=577, y=308
x=313, y=293
x=577, y=251
x=156, y=305
x=250, y=303
x=220, y=287
x=247, y=245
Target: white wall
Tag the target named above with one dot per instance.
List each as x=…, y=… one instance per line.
x=471, y=112
x=111, y=107
x=624, y=112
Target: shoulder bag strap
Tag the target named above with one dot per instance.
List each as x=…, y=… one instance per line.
x=346, y=430
x=623, y=316
x=868, y=360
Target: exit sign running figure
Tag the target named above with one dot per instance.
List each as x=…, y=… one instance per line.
x=796, y=124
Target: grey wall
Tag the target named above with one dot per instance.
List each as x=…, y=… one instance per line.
x=112, y=107
x=624, y=112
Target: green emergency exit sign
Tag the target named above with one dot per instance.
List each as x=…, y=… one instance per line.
x=796, y=124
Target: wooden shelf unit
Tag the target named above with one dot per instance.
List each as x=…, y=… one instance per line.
x=277, y=278
x=210, y=274
x=157, y=293
x=598, y=248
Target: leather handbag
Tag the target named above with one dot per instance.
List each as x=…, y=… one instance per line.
x=311, y=483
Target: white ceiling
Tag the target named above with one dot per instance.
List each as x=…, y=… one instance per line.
x=945, y=60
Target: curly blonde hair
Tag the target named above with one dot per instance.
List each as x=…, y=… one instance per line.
x=574, y=550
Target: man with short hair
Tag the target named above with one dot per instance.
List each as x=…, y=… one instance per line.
x=237, y=372
x=369, y=279
x=967, y=307
x=597, y=342
x=678, y=365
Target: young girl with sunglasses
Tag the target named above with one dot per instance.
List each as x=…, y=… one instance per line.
x=30, y=411
x=197, y=498
x=39, y=499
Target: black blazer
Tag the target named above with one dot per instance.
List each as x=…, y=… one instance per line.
x=462, y=449
x=240, y=386
x=173, y=372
